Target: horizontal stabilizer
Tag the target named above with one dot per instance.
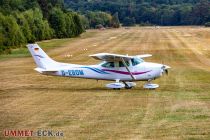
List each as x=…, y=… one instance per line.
x=45, y=70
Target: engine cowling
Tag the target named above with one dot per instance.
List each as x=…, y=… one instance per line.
x=165, y=69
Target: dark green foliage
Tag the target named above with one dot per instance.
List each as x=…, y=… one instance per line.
x=201, y=12
x=115, y=21
x=96, y=18
x=158, y=12
x=39, y=28
x=23, y=21
x=129, y=21
x=65, y=24
x=44, y=6
x=207, y=24
x=57, y=3
x=12, y=33
x=30, y=4
x=84, y=21
x=57, y=22
x=78, y=25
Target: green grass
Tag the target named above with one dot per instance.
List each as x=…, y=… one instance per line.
x=23, y=51
x=85, y=109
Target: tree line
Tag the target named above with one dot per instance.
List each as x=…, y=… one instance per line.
x=99, y=19
x=23, y=21
x=27, y=21
x=147, y=12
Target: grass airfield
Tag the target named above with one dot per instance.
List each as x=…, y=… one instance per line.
x=85, y=109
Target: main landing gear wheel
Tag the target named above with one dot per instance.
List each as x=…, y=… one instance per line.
x=129, y=85
x=116, y=86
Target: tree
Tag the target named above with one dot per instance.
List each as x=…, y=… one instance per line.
x=201, y=12
x=84, y=21
x=115, y=21
x=57, y=3
x=39, y=27
x=77, y=22
x=23, y=21
x=96, y=18
x=30, y=4
x=12, y=32
x=44, y=7
x=207, y=24
x=167, y=16
x=184, y=12
x=24, y=26
x=2, y=37
x=70, y=25
x=57, y=22
x=129, y=21
x=6, y=5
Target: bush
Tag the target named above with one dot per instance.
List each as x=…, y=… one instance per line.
x=207, y=24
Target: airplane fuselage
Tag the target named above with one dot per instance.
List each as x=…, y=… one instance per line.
x=142, y=72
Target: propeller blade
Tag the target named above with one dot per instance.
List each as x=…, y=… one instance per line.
x=166, y=71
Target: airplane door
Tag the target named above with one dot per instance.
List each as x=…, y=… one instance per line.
x=116, y=65
x=136, y=68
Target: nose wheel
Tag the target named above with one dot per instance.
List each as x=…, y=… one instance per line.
x=151, y=86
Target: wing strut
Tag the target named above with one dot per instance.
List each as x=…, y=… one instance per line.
x=128, y=69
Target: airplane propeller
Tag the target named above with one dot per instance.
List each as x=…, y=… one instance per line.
x=165, y=69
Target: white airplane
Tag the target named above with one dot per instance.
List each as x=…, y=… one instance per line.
x=122, y=69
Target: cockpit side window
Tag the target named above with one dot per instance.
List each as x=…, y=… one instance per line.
x=122, y=65
x=108, y=65
x=112, y=65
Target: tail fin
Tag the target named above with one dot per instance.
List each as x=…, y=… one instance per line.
x=41, y=59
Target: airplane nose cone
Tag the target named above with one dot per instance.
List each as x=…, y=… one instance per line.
x=164, y=69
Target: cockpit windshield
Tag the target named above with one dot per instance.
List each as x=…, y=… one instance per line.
x=135, y=61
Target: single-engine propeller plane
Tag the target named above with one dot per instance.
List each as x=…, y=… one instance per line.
x=122, y=69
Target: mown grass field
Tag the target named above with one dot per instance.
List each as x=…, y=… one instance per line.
x=85, y=109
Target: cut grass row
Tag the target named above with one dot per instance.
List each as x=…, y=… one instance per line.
x=85, y=109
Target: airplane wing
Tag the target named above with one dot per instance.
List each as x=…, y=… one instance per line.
x=110, y=57
x=116, y=57
x=144, y=55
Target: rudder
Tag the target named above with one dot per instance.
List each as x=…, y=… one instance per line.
x=41, y=59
